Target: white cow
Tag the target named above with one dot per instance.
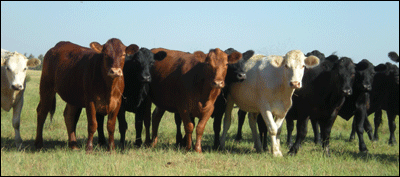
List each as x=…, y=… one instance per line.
x=13, y=73
x=271, y=81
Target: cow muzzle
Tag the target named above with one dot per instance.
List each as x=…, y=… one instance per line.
x=115, y=72
x=295, y=84
x=218, y=84
x=17, y=87
x=241, y=76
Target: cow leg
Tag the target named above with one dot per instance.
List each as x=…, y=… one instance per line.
x=227, y=120
x=139, y=127
x=112, y=118
x=273, y=131
x=92, y=125
x=156, y=118
x=46, y=104
x=16, y=121
x=71, y=117
x=256, y=139
x=188, y=125
x=368, y=128
x=289, y=127
x=146, y=117
x=326, y=127
x=392, y=126
x=317, y=135
x=263, y=130
x=178, y=136
x=241, y=117
x=200, y=129
x=122, y=124
x=217, y=130
x=100, y=130
x=360, y=116
x=377, y=123
x=301, y=128
x=353, y=130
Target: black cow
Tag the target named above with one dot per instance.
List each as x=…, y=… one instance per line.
x=384, y=95
x=137, y=78
x=323, y=94
x=235, y=73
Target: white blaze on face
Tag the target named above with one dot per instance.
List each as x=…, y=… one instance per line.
x=16, y=66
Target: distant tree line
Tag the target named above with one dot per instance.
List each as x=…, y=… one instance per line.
x=40, y=57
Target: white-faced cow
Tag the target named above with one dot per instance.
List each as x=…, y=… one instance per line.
x=13, y=74
x=271, y=81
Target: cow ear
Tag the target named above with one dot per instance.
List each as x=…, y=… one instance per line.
x=380, y=68
x=160, y=55
x=234, y=57
x=393, y=56
x=311, y=61
x=3, y=61
x=33, y=62
x=131, y=49
x=96, y=47
x=200, y=56
x=247, y=55
x=276, y=61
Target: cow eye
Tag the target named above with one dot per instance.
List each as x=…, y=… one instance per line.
x=25, y=69
x=8, y=69
x=286, y=66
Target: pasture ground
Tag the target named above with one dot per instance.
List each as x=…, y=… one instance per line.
x=239, y=158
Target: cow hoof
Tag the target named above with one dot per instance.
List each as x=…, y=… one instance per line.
x=278, y=154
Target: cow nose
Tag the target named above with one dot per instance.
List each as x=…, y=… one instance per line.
x=115, y=72
x=146, y=79
x=17, y=87
x=218, y=84
x=367, y=87
x=241, y=76
x=347, y=91
x=295, y=84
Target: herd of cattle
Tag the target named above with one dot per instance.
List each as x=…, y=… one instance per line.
x=111, y=79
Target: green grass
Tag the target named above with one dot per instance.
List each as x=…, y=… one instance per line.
x=239, y=158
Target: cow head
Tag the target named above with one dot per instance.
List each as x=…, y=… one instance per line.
x=293, y=63
x=217, y=64
x=365, y=73
x=138, y=65
x=113, y=52
x=343, y=74
x=236, y=71
x=15, y=66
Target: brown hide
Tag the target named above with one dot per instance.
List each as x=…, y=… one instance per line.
x=188, y=84
x=84, y=78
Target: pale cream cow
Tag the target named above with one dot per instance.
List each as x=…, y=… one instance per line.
x=13, y=74
x=268, y=89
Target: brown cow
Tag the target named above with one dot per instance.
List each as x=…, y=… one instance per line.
x=188, y=84
x=83, y=77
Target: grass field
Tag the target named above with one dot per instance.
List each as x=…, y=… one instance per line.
x=239, y=158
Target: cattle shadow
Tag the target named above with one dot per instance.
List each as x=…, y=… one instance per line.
x=8, y=145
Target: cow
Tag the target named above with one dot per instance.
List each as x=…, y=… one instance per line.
x=13, y=73
x=235, y=73
x=188, y=84
x=325, y=90
x=384, y=95
x=136, y=78
x=271, y=81
x=90, y=78
x=261, y=124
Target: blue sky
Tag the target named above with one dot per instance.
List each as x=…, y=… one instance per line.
x=359, y=30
